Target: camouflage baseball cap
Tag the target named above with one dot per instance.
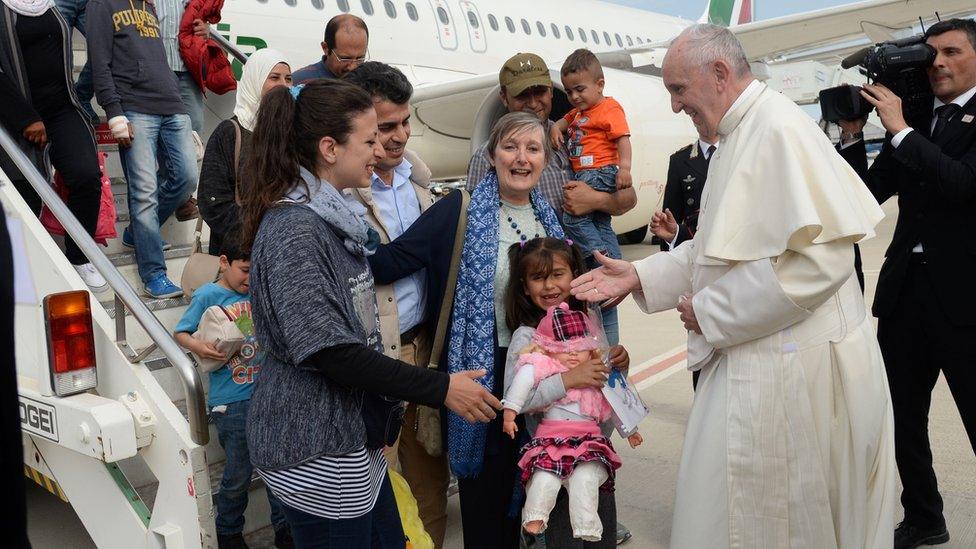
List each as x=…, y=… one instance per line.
x=523, y=71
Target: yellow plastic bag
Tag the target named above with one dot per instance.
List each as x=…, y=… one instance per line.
x=413, y=527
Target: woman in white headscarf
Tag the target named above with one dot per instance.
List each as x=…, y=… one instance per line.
x=219, y=177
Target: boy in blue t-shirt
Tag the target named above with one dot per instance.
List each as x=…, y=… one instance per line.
x=230, y=393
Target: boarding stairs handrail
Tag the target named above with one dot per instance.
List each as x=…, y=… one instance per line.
x=124, y=295
x=227, y=46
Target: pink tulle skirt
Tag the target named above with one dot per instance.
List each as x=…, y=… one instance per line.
x=560, y=445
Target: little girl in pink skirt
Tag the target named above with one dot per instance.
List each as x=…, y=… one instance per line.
x=568, y=448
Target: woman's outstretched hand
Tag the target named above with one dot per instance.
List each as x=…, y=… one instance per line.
x=614, y=278
x=468, y=399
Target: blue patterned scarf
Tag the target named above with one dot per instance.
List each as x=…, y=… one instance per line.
x=472, y=342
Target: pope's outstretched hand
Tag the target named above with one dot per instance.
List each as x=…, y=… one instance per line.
x=614, y=278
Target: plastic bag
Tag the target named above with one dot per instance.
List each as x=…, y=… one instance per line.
x=105, y=228
x=413, y=527
x=628, y=406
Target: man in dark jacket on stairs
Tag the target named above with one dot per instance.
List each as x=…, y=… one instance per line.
x=141, y=97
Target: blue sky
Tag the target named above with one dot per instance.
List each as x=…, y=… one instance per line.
x=765, y=9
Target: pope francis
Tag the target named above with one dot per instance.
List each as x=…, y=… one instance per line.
x=789, y=442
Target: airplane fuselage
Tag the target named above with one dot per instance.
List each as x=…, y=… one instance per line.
x=444, y=41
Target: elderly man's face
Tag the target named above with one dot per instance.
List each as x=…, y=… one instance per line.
x=694, y=90
x=349, y=52
x=536, y=100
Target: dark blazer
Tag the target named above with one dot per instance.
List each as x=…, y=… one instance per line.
x=427, y=244
x=936, y=187
x=687, y=170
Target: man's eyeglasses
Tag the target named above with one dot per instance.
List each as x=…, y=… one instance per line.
x=356, y=60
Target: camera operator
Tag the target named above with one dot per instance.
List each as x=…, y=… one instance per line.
x=926, y=296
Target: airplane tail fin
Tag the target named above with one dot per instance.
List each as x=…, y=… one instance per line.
x=728, y=13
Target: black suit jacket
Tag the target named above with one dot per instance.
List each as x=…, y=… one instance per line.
x=682, y=193
x=935, y=182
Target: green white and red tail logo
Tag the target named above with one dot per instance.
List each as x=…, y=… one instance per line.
x=728, y=13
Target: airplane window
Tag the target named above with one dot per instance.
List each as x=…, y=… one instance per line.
x=509, y=24
x=555, y=30
x=569, y=33
x=526, y=27
x=390, y=9
x=368, y=7
x=493, y=22
x=596, y=37
x=606, y=38
x=318, y=4
x=630, y=41
x=582, y=34
x=291, y=2
x=473, y=20
x=541, y=28
x=343, y=6
x=639, y=41
x=619, y=41
x=442, y=15
x=412, y=11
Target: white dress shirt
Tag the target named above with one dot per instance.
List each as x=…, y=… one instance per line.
x=398, y=208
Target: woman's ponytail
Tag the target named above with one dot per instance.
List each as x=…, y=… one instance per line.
x=272, y=164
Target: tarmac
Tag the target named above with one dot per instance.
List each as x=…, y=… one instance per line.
x=646, y=482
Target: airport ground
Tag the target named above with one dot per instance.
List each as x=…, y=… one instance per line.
x=646, y=483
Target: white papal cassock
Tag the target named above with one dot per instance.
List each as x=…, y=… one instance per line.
x=790, y=439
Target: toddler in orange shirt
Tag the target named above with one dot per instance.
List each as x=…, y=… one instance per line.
x=598, y=139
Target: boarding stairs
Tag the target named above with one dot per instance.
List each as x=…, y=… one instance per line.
x=136, y=456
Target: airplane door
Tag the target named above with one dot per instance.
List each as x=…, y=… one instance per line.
x=476, y=31
x=446, y=32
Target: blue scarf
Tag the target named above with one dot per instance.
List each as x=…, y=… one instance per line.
x=472, y=342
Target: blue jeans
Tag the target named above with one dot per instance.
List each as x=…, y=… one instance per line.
x=610, y=326
x=377, y=529
x=73, y=12
x=593, y=231
x=156, y=138
x=231, y=500
x=192, y=99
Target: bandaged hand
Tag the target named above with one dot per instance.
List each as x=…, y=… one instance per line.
x=121, y=130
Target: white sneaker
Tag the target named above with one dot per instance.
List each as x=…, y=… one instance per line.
x=96, y=283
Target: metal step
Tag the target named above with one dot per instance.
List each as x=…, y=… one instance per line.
x=151, y=302
x=128, y=257
x=258, y=509
x=255, y=489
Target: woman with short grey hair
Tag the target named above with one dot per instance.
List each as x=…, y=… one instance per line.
x=505, y=209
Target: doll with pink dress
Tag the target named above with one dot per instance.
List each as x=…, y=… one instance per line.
x=568, y=448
